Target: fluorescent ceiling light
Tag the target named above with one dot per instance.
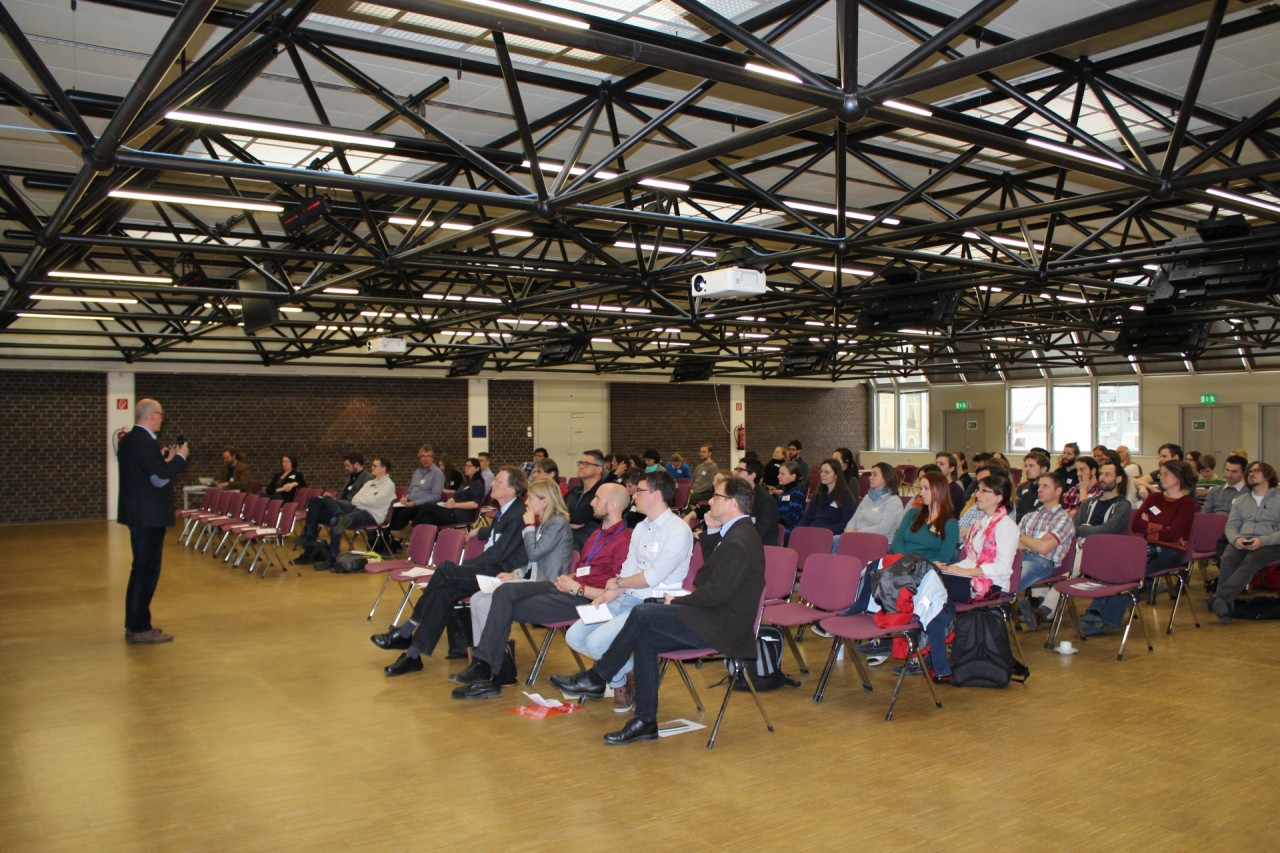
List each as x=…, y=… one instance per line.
x=924, y=332
x=1003, y=241
x=513, y=232
x=990, y=288
x=289, y=309
x=557, y=168
x=410, y=222
x=104, y=300
x=1074, y=152
x=62, y=316
x=491, y=300
x=831, y=211
x=110, y=276
x=356, y=329
x=536, y=14
x=659, y=183
x=772, y=72
x=440, y=297
x=903, y=106
x=815, y=323
x=229, y=203
x=610, y=309
x=342, y=291
x=806, y=265
x=258, y=125
x=1244, y=199
x=668, y=248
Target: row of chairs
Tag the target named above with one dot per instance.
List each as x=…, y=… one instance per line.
x=243, y=520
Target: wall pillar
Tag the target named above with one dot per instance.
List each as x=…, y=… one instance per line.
x=119, y=404
x=477, y=416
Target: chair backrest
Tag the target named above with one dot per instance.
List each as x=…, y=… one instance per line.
x=780, y=568
x=401, y=491
x=421, y=541
x=695, y=565
x=867, y=547
x=449, y=544
x=210, y=499
x=809, y=540
x=815, y=480
x=1206, y=529
x=1016, y=474
x=830, y=581
x=475, y=546
x=271, y=515
x=907, y=474
x=221, y=501
x=289, y=516
x=906, y=500
x=682, y=494
x=864, y=483
x=1068, y=559
x=235, y=506
x=1015, y=572
x=575, y=560
x=1114, y=558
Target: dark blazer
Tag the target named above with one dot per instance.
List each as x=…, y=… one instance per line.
x=142, y=503
x=578, y=502
x=764, y=509
x=722, y=608
x=507, y=552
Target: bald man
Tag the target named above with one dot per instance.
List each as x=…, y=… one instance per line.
x=549, y=601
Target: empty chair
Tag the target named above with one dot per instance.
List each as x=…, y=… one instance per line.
x=682, y=494
x=828, y=585
x=421, y=541
x=1111, y=564
x=780, y=569
x=809, y=540
x=1206, y=530
x=861, y=628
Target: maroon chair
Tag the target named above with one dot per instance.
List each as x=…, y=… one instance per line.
x=907, y=475
x=682, y=494
x=1111, y=564
x=189, y=516
x=1176, y=579
x=421, y=541
x=867, y=547
x=234, y=514
x=221, y=500
x=862, y=628
x=737, y=671
x=828, y=585
x=1206, y=529
x=266, y=520
x=474, y=548
x=780, y=569
x=1066, y=570
x=809, y=540
x=273, y=536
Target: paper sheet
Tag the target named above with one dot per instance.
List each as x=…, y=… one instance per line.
x=590, y=614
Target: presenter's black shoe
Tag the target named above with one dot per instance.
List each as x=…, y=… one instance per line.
x=391, y=641
x=479, y=690
x=636, y=729
x=477, y=672
x=404, y=664
x=580, y=684
x=304, y=559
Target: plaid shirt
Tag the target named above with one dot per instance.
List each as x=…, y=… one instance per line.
x=1056, y=521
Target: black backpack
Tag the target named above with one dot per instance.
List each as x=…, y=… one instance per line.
x=766, y=671
x=980, y=654
x=1259, y=607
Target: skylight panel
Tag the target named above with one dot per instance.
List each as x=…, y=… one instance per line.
x=423, y=38
x=413, y=19
x=373, y=10
x=345, y=23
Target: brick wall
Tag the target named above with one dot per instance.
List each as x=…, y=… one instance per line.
x=55, y=425
x=318, y=419
x=668, y=418
x=510, y=416
x=823, y=419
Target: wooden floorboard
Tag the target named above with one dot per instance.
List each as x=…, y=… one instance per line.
x=268, y=725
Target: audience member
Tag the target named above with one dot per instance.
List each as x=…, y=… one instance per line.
x=285, y=484
x=832, y=505
x=1034, y=464
x=235, y=473
x=370, y=505
x=1221, y=497
x=772, y=467
x=881, y=508
x=950, y=469
x=461, y=508
x=578, y=499
x=763, y=507
x=1067, y=463
x=1046, y=533
x=1253, y=534
x=426, y=488
x=1147, y=484
x=793, y=455
x=790, y=498
x=677, y=468
x=527, y=468
x=700, y=488
x=987, y=557
x=1086, y=483
x=849, y=471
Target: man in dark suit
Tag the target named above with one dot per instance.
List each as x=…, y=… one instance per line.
x=764, y=508
x=145, y=504
x=720, y=613
x=452, y=582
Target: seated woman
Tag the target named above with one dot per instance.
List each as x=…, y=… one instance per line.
x=849, y=471
x=987, y=558
x=452, y=476
x=678, y=468
x=880, y=509
x=832, y=506
x=548, y=545
x=1165, y=519
x=462, y=505
x=285, y=484
x=652, y=461
x=790, y=496
x=772, y=467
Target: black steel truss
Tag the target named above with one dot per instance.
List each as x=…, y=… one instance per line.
x=1038, y=258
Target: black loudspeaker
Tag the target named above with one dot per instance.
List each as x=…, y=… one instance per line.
x=562, y=352
x=468, y=365
x=258, y=312
x=693, y=370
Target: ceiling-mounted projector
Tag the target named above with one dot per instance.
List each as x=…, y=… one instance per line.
x=386, y=345
x=727, y=282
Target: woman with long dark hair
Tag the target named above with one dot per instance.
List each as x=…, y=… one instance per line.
x=285, y=484
x=832, y=505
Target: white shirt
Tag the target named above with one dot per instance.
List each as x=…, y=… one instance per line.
x=660, y=549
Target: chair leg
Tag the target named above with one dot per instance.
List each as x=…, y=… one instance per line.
x=403, y=603
x=736, y=670
x=524, y=626
x=821, y=689
x=795, y=650
x=684, y=675
x=541, y=652
x=386, y=579
x=928, y=679
x=1183, y=579
x=1010, y=623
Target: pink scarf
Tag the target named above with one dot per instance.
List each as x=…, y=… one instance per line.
x=988, y=552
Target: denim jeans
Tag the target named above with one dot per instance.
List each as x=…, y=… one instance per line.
x=594, y=640
x=1035, y=568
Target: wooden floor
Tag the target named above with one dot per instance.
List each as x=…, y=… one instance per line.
x=268, y=725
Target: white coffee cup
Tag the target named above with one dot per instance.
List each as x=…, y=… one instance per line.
x=1065, y=647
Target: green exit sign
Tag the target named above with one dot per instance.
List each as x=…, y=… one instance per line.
x=961, y=405
x=1209, y=399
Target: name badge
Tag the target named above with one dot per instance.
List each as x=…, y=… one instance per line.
x=835, y=505
x=582, y=571
x=786, y=499
x=1155, y=510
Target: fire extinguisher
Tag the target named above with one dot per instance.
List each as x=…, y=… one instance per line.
x=741, y=436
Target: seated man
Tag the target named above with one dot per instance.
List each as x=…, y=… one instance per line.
x=527, y=467
x=551, y=601
x=235, y=471
x=578, y=499
x=320, y=510
x=764, y=507
x=1148, y=483
x=426, y=487
x=452, y=582
x=1220, y=498
x=547, y=469
x=1026, y=497
x=1253, y=534
x=700, y=487
x=720, y=613
x=657, y=562
x=369, y=506
x=1045, y=534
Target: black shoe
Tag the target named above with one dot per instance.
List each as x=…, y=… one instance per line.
x=1211, y=586
x=476, y=673
x=304, y=559
x=484, y=690
x=579, y=684
x=404, y=664
x=391, y=641
x=636, y=729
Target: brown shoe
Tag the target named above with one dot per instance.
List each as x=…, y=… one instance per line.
x=624, y=697
x=155, y=635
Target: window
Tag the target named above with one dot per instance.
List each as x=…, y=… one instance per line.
x=886, y=419
x=1072, y=416
x=1118, y=415
x=913, y=420
x=902, y=419
x=1028, y=418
